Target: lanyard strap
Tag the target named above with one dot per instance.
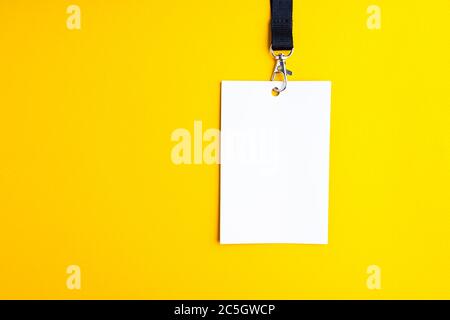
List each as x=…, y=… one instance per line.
x=281, y=24
x=281, y=27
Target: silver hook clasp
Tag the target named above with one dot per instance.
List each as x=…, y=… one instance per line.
x=280, y=68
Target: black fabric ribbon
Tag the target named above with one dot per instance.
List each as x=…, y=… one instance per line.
x=281, y=24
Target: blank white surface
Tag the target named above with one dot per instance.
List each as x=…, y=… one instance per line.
x=274, y=162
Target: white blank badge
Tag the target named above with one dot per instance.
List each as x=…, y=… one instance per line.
x=274, y=162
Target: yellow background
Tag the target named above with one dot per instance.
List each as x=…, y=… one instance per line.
x=86, y=176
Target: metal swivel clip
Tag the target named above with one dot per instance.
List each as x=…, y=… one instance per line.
x=280, y=68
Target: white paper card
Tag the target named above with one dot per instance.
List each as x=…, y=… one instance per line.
x=274, y=162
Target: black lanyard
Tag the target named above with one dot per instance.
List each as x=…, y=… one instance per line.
x=282, y=40
x=281, y=24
